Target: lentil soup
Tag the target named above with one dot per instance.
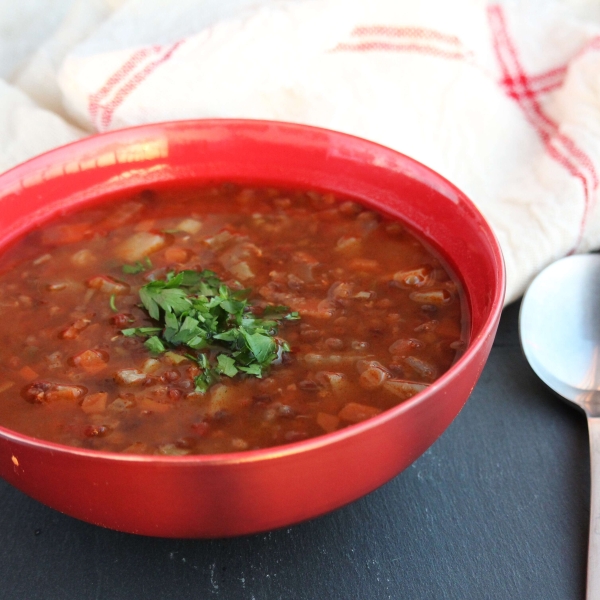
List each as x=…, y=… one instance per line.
x=219, y=319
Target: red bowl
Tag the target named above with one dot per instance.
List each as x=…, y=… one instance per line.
x=246, y=492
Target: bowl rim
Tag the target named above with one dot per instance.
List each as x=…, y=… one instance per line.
x=311, y=444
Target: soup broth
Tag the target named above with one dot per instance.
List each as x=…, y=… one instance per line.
x=219, y=319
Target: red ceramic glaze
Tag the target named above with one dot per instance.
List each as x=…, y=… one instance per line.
x=246, y=492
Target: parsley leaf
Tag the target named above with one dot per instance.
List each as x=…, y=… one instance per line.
x=138, y=267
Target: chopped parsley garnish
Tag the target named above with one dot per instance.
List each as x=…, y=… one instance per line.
x=138, y=267
x=215, y=324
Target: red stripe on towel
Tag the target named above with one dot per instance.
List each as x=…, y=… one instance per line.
x=560, y=147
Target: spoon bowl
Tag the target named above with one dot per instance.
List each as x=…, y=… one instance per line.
x=559, y=325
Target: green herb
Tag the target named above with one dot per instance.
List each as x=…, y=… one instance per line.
x=138, y=267
x=215, y=323
x=113, y=304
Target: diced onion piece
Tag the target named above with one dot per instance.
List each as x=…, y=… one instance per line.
x=172, y=450
x=327, y=422
x=235, y=259
x=130, y=377
x=222, y=397
x=239, y=444
x=189, y=226
x=107, y=285
x=150, y=365
x=174, y=358
x=83, y=258
x=220, y=240
x=403, y=389
x=140, y=245
x=436, y=297
x=94, y=403
x=121, y=404
x=354, y=412
x=241, y=271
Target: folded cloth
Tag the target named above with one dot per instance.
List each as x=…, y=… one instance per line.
x=503, y=98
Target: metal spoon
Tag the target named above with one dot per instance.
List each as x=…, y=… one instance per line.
x=560, y=333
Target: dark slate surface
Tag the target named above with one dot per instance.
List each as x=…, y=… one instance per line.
x=497, y=508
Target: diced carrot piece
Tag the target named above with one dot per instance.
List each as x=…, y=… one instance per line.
x=327, y=422
x=177, y=254
x=27, y=373
x=145, y=225
x=94, y=403
x=65, y=234
x=91, y=361
x=354, y=412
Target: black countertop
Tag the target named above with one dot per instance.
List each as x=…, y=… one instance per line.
x=497, y=508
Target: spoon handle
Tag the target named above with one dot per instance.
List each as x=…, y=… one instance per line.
x=593, y=571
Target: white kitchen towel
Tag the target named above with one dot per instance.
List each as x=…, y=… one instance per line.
x=501, y=98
